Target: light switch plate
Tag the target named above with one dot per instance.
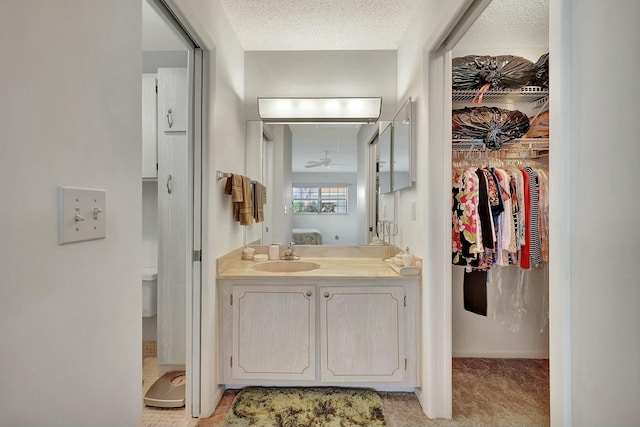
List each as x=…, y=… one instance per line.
x=82, y=214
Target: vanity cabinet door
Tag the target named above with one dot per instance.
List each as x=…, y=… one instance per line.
x=362, y=334
x=273, y=332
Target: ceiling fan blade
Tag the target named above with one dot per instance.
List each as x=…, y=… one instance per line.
x=313, y=165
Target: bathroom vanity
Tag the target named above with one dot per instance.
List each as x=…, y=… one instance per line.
x=318, y=321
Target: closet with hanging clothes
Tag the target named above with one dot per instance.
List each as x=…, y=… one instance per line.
x=500, y=242
x=500, y=277
x=500, y=219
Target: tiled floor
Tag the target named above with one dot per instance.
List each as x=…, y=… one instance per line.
x=486, y=392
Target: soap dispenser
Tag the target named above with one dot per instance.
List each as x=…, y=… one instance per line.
x=407, y=258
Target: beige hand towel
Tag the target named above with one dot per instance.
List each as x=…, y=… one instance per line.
x=239, y=187
x=245, y=207
x=260, y=197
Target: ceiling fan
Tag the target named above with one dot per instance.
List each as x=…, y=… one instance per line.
x=324, y=161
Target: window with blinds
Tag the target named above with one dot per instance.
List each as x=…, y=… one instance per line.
x=320, y=200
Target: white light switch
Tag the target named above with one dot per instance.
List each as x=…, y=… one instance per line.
x=82, y=214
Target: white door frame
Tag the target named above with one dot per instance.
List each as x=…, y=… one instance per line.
x=194, y=286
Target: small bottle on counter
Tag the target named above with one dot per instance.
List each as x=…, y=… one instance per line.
x=274, y=251
x=407, y=258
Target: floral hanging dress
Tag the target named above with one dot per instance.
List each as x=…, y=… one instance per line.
x=466, y=240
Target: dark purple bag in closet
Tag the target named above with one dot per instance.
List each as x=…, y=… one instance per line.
x=493, y=125
x=492, y=72
x=542, y=72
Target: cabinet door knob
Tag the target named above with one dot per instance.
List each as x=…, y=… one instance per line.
x=170, y=118
x=308, y=293
x=326, y=294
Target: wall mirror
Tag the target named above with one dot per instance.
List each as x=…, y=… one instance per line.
x=318, y=178
x=402, y=148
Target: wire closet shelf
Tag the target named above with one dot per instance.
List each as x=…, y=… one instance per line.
x=534, y=94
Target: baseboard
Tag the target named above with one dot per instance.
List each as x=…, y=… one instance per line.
x=501, y=354
x=376, y=387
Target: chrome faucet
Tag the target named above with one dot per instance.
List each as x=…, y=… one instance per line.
x=288, y=254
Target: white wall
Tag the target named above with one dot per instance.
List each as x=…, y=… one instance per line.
x=595, y=282
x=425, y=235
x=321, y=73
x=71, y=314
x=225, y=150
x=153, y=59
x=344, y=227
x=515, y=325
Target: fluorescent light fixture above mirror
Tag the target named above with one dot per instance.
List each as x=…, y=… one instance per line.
x=319, y=109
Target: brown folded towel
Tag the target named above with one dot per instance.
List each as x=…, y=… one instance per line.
x=260, y=197
x=240, y=189
x=233, y=187
x=245, y=207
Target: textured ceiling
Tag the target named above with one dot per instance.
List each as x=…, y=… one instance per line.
x=356, y=25
x=320, y=24
x=510, y=24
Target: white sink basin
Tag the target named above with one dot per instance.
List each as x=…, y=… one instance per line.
x=286, y=266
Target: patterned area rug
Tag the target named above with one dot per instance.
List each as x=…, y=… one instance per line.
x=305, y=407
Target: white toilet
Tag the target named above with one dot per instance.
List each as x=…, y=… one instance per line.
x=149, y=291
x=149, y=278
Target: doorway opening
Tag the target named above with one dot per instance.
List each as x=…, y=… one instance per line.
x=172, y=83
x=499, y=319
